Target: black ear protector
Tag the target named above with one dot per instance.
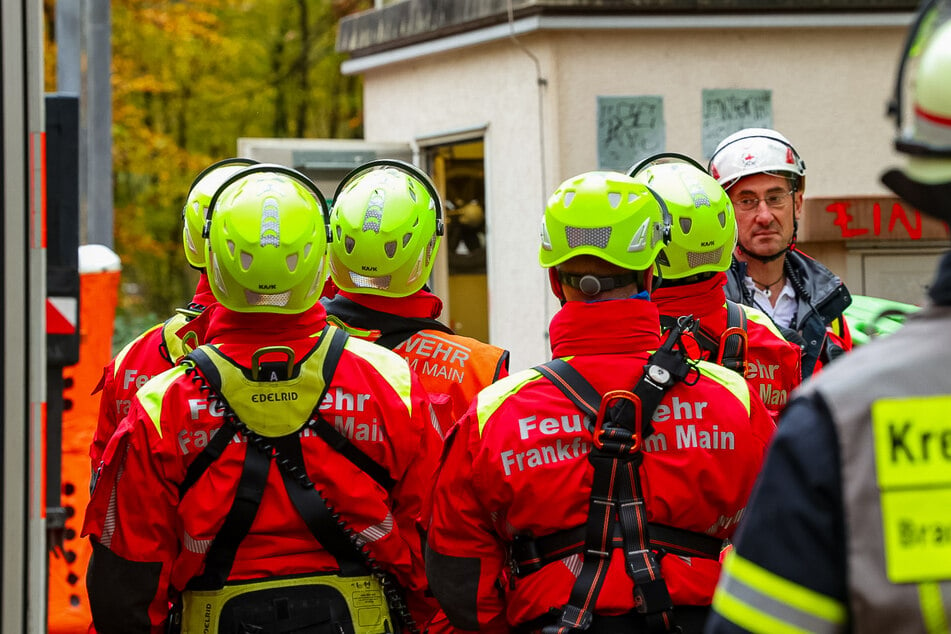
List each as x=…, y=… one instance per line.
x=405, y=167
x=269, y=168
x=222, y=163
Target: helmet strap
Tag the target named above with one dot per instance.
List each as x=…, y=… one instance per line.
x=594, y=285
x=555, y=284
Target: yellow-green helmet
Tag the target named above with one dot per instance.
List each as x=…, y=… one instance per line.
x=386, y=223
x=605, y=214
x=703, y=224
x=267, y=240
x=195, y=211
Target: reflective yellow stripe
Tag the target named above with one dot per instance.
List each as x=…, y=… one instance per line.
x=932, y=608
x=761, y=601
x=837, y=326
x=153, y=393
x=125, y=351
x=494, y=394
x=388, y=364
x=729, y=379
x=750, y=618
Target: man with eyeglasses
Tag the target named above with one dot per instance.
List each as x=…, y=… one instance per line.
x=765, y=178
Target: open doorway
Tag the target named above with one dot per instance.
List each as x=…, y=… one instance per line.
x=458, y=170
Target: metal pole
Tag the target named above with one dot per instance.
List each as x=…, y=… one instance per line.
x=98, y=117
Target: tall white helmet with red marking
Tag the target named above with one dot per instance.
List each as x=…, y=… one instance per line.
x=756, y=151
x=923, y=95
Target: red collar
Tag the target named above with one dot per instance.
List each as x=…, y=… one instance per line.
x=420, y=305
x=698, y=299
x=605, y=327
x=203, y=294
x=264, y=329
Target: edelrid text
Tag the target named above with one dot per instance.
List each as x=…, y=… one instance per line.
x=273, y=397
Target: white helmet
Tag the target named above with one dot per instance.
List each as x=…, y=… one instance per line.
x=925, y=181
x=756, y=151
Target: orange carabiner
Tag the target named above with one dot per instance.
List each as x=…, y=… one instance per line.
x=606, y=401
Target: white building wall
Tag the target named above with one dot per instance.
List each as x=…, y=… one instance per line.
x=829, y=89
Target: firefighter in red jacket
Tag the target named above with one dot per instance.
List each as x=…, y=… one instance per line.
x=555, y=508
x=387, y=224
x=274, y=480
x=162, y=345
x=692, y=270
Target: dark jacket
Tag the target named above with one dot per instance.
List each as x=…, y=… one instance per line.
x=819, y=326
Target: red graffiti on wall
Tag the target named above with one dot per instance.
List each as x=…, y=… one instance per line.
x=898, y=216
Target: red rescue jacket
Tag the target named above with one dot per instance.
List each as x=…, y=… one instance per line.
x=137, y=514
x=151, y=353
x=773, y=363
x=517, y=465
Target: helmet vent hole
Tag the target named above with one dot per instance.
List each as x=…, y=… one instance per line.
x=246, y=260
x=338, y=233
x=614, y=198
x=406, y=238
x=231, y=247
x=348, y=244
x=390, y=248
x=708, y=258
x=579, y=236
x=292, y=262
x=722, y=218
x=569, y=197
x=686, y=224
x=307, y=250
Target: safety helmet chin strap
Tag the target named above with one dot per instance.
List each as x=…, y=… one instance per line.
x=789, y=247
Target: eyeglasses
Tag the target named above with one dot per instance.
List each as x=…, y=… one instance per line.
x=776, y=201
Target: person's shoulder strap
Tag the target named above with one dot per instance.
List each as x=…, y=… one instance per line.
x=734, y=342
x=572, y=384
x=329, y=434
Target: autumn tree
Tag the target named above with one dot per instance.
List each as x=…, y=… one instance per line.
x=191, y=76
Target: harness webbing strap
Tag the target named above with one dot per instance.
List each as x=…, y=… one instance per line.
x=247, y=499
x=728, y=349
x=616, y=494
x=572, y=385
x=340, y=443
x=238, y=521
x=312, y=507
x=530, y=555
x=329, y=434
x=222, y=437
x=733, y=344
